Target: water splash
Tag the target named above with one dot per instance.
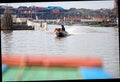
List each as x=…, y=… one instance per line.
x=79, y=30
x=75, y=30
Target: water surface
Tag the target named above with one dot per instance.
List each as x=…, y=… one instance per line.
x=83, y=41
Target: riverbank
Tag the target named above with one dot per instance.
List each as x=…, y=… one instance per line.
x=19, y=27
x=116, y=26
x=105, y=25
x=95, y=25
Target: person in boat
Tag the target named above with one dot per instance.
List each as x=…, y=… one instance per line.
x=63, y=28
x=60, y=29
x=57, y=30
x=60, y=32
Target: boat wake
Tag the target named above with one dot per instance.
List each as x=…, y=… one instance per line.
x=76, y=30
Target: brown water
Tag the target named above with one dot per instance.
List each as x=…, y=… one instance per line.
x=84, y=41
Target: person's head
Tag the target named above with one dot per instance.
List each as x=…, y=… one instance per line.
x=62, y=25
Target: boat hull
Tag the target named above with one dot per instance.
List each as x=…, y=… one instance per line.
x=61, y=34
x=12, y=60
x=35, y=24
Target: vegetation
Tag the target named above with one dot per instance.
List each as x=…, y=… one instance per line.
x=116, y=26
x=96, y=25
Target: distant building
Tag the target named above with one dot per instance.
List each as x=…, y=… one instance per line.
x=72, y=9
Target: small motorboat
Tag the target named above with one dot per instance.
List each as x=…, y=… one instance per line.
x=60, y=33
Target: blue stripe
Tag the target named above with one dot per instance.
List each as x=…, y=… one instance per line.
x=4, y=67
x=93, y=73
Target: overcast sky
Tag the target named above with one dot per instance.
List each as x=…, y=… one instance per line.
x=69, y=4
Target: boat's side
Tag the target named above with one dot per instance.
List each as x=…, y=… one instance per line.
x=61, y=34
x=41, y=25
x=29, y=23
x=51, y=68
x=54, y=73
x=40, y=74
x=4, y=67
x=44, y=26
x=50, y=61
x=94, y=73
x=33, y=24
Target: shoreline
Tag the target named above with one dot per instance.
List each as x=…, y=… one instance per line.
x=19, y=27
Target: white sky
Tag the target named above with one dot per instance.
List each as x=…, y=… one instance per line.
x=68, y=4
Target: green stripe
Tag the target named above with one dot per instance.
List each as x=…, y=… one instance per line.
x=42, y=73
x=10, y=74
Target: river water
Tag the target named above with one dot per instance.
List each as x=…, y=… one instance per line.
x=83, y=41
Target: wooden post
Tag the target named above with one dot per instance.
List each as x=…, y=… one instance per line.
x=7, y=21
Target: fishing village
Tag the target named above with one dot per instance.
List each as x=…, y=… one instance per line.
x=54, y=14
x=41, y=43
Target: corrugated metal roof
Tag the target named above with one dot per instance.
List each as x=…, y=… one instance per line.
x=53, y=7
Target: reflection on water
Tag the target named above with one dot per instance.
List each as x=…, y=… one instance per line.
x=7, y=31
x=7, y=38
x=83, y=41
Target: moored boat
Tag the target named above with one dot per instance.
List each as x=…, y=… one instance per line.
x=37, y=24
